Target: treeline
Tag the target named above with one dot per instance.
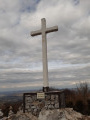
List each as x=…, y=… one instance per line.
x=79, y=99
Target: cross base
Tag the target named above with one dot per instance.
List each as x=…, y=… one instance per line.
x=55, y=97
x=45, y=89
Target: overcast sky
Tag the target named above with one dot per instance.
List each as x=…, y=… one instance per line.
x=68, y=49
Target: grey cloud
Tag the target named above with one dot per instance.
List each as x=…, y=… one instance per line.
x=70, y=45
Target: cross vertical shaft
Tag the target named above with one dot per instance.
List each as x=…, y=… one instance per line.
x=44, y=55
x=44, y=31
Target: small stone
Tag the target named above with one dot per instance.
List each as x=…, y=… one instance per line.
x=56, y=97
x=29, y=110
x=27, y=106
x=50, y=106
x=52, y=103
x=46, y=107
x=52, y=97
x=56, y=101
x=26, y=111
x=47, y=103
x=35, y=110
x=48, y=97
x=33, y=107
x=28, y=99
x=57, y=105
x=34, y=97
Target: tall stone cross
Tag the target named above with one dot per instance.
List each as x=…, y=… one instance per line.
x=43, y=31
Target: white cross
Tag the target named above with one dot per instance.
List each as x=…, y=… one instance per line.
x=44, y=31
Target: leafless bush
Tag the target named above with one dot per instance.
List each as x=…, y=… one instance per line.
x=83, y=91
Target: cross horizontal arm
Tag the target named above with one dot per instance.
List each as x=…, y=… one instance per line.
x=52, y=29
x=34, y=33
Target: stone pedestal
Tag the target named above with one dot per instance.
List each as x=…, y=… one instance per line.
x=34, y=102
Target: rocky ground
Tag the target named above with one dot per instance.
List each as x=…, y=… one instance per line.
x=62, y=114
x=57, y=114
